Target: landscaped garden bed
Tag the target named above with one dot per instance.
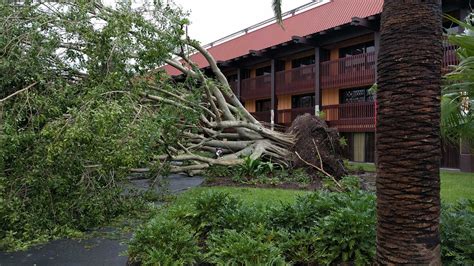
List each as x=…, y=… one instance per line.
x=252, y=226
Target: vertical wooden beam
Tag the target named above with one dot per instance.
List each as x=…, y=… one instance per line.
x=317, y=81
x=239, y=81
x=377, y=48
x=274, y=110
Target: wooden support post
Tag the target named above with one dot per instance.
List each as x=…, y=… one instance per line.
x=377, y=48
x=239, y=82
x=317, y=81
x=274, y=109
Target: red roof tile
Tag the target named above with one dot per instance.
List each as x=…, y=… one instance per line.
x=319, y=18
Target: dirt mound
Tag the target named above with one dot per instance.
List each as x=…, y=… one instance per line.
x=308, y=128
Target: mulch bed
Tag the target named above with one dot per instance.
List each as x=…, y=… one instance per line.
x=228, y=182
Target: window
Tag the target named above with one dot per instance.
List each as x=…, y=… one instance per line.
x=245, y=74
x=263, y=71
x=263, y=105
x=304, y=61
x=302, y=101
x=356, y=95
x=357, y=49
x=232, y=78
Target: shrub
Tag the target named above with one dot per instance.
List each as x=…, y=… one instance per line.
x=165, y=241
x=322, y=228
x=242, y=248
x=297, y=247
x=347, y=234
x=219, y=211
x=457, y=233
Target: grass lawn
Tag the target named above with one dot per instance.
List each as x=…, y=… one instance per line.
x=454, y=184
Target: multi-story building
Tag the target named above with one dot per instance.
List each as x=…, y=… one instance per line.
x=322, y=60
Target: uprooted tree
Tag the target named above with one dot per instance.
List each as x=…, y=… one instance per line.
x=225, y=124
x=82, y=103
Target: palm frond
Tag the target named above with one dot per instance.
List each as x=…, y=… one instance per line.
x=457, y=105
x=277, y=11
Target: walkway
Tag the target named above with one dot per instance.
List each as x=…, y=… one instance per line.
x=95, y=251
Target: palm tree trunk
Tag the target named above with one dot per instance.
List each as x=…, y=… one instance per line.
x=408, y=143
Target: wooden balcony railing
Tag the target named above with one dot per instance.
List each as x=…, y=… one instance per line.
x=351, y=117
x=254, y=88
x=357, y=70
x=262, y=116
x=233, y=86
x=297, y=80
x=287, y=116
x=450, y=57
x=354, y=71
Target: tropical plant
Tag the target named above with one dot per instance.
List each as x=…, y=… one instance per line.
x=457, y=233
x=165, y=241
x=457, y=116
x=408, y=142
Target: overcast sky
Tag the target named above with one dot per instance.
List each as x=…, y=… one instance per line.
x=213, y=19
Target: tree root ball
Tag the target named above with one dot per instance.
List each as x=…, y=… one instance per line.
x=310, y=130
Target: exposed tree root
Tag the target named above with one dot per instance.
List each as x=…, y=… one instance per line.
x=224, y=124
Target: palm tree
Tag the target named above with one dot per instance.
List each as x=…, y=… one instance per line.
x=408, y=141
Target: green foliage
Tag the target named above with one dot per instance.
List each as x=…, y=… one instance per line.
x=457, y=233
x=252, y=247
x=67, y=142
x=457, y=104
x=218, y=211
x=252, y=168
x=311, y=230
x=165, y=241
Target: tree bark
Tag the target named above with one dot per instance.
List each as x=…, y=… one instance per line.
x=408, y=143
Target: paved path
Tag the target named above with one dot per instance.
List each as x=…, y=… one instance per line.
x=96, y=251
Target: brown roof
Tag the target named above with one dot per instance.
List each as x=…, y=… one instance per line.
x=317, y=19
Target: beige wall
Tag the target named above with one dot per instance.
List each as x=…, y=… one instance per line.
x=284, y=102
x=359, y=147
x=250, y=105
x=330, y=96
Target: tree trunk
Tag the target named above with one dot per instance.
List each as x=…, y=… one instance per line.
x=408, y=143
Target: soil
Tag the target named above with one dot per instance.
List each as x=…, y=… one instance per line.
x=316, y=142
x=229, y=182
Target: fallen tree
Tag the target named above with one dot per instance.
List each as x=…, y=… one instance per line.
x=226, y=125
x=81, y=103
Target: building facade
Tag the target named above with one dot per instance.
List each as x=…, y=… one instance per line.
x=323, y=61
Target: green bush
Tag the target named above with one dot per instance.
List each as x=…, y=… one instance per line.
x=251, y=247
x=165, y=241
x=311, y=230
x=218, y=211
x=298, y=247
x=457, y=233
x=322, y=228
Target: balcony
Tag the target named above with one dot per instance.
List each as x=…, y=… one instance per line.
x=297, y=80
x=351, y=117
x=450, y=57
x=256, y=88
x=354, y=71
x=285, y=117
x=233, y=86
x=348, y=72
x=262, y=116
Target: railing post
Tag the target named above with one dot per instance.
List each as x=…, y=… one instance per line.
x=273, y=114
x=317, y=81
x=377, y=48
x=239, y=81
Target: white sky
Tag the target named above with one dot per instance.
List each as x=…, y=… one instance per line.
x=213, y=19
